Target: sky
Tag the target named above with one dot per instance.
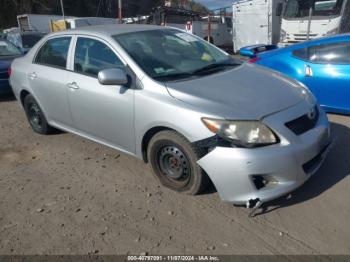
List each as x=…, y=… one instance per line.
x=215, y=3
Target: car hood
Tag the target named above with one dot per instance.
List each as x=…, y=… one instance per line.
x=248, y=92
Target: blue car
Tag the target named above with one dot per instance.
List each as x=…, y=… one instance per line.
x=8, y=52
x=323, y=65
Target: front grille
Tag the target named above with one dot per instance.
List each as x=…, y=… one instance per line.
x=4, y=75
x=303, y=37
x=304, y=123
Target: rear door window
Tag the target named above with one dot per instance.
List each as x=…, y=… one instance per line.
x=92, y=56
x=54, y=52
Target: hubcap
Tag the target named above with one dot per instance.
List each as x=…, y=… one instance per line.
x=174, y=164
x=34, y=115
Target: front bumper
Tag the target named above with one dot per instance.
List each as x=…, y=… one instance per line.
x=287, y=165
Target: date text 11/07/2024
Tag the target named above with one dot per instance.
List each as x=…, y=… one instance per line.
x=173, y=258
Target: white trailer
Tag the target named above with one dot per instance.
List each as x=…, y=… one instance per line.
x=217, y=32
x=304, y=20
x=256, y=22
x=34, y=22
x=77, y=22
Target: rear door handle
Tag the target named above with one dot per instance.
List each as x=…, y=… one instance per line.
x=308, y=71
x=73, y=85
x=32, y=75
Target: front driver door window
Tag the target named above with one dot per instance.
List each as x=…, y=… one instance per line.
x=91, y=56
x=104, y=113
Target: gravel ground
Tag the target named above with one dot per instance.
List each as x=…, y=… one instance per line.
x=62, y=194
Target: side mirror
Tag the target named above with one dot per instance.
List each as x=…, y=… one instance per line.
x=112, y=76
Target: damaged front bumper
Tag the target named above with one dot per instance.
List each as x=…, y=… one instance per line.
x=264, y=174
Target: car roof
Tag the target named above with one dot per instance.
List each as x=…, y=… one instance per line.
x=110, y=30
x=323, y=40
x=330, y=38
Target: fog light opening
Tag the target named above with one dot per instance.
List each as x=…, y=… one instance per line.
x=262, y=181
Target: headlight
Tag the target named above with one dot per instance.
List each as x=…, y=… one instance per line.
x=247, y=134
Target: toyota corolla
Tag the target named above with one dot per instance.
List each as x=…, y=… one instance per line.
x=190, y=110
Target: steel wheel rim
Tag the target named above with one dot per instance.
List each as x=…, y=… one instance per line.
x=34, y=114
x=174, y=166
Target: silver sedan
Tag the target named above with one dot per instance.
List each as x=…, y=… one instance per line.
x=194, y=113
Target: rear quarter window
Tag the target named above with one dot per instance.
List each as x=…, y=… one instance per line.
x=54, y=52
x=303, y=53
x=337, y=53
x=332, y=53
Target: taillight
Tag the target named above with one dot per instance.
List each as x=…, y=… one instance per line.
x=254, y=60
x=9, y=71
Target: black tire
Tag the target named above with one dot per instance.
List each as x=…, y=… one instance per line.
x=174, y=162
x=36, y=117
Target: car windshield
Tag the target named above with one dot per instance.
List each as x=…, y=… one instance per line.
x=8, y=49
x=301, y=8
x=28, y=41
x=171, y=54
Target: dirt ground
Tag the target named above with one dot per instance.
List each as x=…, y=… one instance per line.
x=62, y=194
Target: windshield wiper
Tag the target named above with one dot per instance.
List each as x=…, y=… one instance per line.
x=202, y=71
x=211, y=67
x=173, y=76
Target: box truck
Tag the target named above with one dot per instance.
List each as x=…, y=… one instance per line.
x=34, y=22
x=217, y=30
x=256, y=22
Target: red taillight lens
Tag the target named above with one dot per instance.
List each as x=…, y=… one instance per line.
x=9, y=71
x=254, y=60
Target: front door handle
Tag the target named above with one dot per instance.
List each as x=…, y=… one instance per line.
x=73, y=85
x=308, y=71
x=32, y=75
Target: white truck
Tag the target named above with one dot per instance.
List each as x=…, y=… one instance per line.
x=256, y=22
x=304, y=20
x=38, y=23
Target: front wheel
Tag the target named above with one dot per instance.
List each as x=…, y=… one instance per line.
x=174, y=163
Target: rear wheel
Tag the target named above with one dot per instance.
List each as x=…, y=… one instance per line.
x=35, y=116
x=174, y=163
